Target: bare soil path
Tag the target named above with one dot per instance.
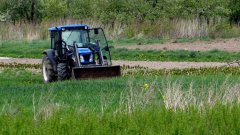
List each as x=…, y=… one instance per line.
x=230, y=45
x=149, y=64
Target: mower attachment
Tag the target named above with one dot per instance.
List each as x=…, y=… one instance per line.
x=96, y=72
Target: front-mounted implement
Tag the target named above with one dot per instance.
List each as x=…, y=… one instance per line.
x=77, y=52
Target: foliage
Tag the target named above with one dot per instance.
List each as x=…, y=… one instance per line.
x=79, y=8
x=122, y=19
x=18, y=10
x=54, y=8
x=121, y=11
x=235, y=11
x=119, y=105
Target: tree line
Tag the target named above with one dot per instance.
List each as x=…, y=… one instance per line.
x=122, y=11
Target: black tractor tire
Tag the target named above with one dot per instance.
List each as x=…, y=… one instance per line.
x=63, y=71
x=47, y=70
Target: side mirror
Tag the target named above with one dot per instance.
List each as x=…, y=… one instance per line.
x=96, y=31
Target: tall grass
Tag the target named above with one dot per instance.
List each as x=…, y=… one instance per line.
x=176, y=104
x=176, y=28
x=218, y=120
x=28, y=31
x=25, y=87
x=172, y=95
x=141, y=110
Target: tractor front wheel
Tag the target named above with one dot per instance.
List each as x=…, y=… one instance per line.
x=63, y=71
x=47, y=70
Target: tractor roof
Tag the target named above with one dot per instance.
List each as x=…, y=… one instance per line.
x=75, y=26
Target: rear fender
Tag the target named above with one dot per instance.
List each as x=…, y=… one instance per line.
x=51, y=55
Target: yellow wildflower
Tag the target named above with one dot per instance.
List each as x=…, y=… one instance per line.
x=146, y=86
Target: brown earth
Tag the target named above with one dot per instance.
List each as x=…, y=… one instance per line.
x=230, y=45
x=148, y=64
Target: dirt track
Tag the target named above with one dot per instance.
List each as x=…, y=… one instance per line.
x=149, y=64
x=230, y=45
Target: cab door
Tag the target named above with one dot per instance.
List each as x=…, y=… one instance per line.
x=97, y=36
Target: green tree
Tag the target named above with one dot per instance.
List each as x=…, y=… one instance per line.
x=18, y=10
x=52, y=9
x=123, y=11
x=80, y=9
x=204, y=9
x=109, y=11
x=234, y=6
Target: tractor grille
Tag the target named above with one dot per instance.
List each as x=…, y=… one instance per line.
x=86, y=57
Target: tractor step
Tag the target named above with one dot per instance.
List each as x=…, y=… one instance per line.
x=96, y=72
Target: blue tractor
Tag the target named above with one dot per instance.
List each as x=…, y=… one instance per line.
x=77, y=52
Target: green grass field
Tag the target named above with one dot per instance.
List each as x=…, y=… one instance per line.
x=34, y=49
x=173, y=103
x=23, y=49
x=146, y=41
x=141, y=101
x=178, y=55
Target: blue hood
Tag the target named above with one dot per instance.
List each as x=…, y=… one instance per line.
x=84, y=51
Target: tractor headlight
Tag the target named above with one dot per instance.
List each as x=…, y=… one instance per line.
x=91, y=58
x=81, y=58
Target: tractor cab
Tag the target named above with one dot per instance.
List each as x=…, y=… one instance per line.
x=78, y=52
x=81, y=40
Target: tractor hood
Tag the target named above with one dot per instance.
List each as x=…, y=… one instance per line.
x=84, y=51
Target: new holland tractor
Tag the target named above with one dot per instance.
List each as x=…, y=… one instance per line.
x=77, y=52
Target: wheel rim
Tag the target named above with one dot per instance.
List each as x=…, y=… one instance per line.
x=45, y=77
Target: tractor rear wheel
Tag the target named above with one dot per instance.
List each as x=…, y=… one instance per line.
x=63, y=71
x=47, y=70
